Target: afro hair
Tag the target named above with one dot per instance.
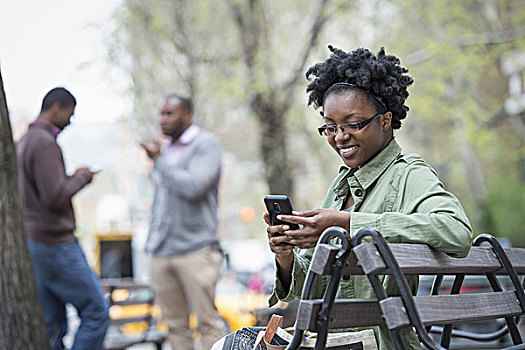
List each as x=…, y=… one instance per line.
x=381, y=75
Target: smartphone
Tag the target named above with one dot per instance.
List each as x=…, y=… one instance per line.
x=276, y=205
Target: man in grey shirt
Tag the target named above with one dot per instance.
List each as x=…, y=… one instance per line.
x=182, y=242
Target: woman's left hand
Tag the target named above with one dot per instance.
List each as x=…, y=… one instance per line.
x=313, y=222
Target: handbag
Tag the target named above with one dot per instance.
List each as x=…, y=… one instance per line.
x=274, y=337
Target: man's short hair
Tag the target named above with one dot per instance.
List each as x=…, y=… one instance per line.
x=186, y=101
x=59, y=95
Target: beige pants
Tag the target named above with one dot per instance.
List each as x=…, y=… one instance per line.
x=185, y=284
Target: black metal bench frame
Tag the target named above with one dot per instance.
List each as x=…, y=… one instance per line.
x=406, y=310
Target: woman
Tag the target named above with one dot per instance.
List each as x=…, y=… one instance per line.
x=362, y=97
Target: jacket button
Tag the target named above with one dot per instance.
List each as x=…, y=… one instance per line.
x=358, y=192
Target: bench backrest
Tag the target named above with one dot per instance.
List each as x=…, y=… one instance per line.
x=132, y=308
x=397, y=312
x=416, y=259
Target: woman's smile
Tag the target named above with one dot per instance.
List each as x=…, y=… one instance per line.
x=346, y=151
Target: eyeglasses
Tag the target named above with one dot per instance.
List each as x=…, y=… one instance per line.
x=346, y=128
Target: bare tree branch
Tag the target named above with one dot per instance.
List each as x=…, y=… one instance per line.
x=491, y=38
x=248, y=48
x=317, y=27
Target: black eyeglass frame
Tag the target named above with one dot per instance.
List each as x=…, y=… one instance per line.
x=360, y=125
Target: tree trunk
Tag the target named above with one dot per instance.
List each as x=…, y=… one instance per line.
x=22, y=324
x=269, y=109
x=278, y=170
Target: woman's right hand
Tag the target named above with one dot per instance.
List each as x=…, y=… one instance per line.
x=278, y=243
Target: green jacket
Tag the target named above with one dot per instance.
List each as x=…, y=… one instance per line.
x=402, y=197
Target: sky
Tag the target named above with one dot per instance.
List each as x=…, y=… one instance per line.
x=44, y=44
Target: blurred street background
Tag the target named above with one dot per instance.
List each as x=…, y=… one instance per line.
x=243, y=63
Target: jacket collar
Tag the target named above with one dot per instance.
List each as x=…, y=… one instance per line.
x=42, y=124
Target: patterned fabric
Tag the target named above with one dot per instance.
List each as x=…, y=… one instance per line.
x=245, y=338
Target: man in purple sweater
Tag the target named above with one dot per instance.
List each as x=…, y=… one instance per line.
x=62, y=274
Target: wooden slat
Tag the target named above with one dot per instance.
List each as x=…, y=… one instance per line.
x=433, y=310
x=467, y=307
x=124, y=320
x=133, y=302
x=421, y=259
x=517, y=259
x=346, y=313
x=446, y=309
x=418, y=259
x=109, y=283
x=137, y=293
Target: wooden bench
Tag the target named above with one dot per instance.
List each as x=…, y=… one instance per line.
x=134, y=319
x=352, y=257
